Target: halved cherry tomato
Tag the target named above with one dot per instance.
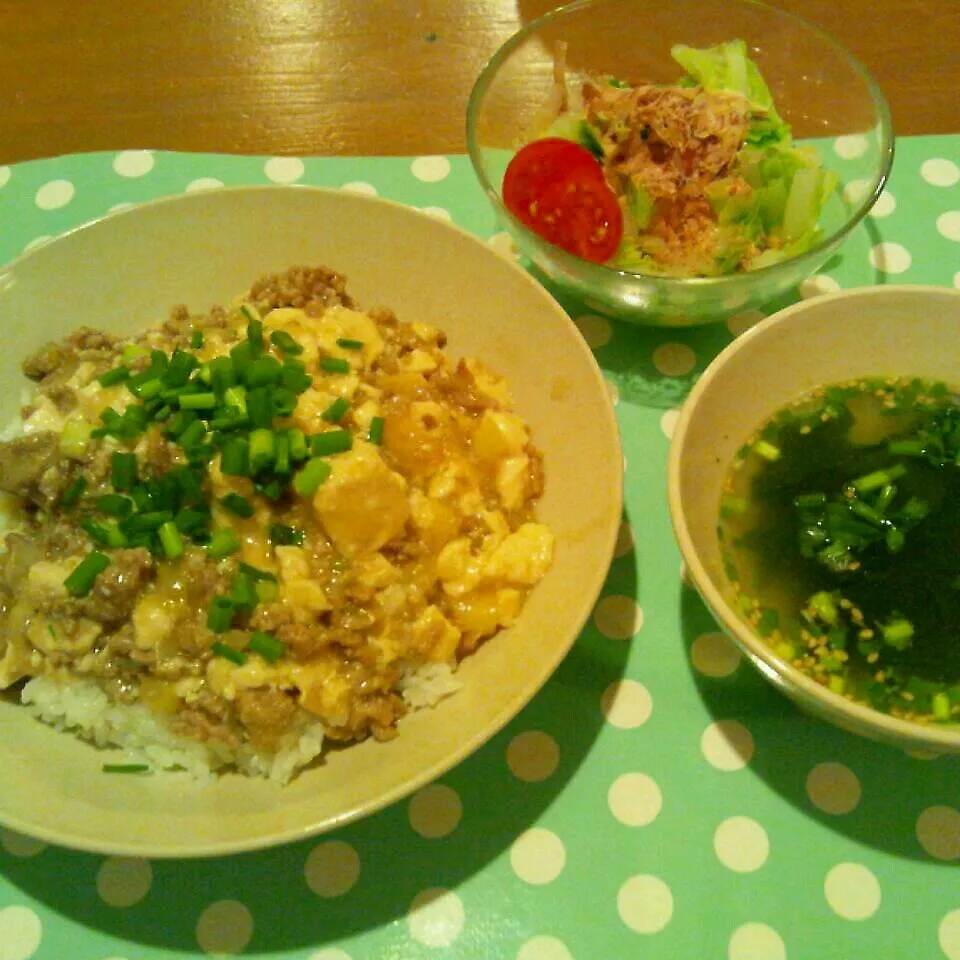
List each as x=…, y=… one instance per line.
x=557, y=189
x=537, y=165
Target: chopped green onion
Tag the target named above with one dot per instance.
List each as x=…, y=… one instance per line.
x=347, y=344
x=263, y=372
x=294, y=376
x=235, y=399
x=238, y=505
x=250, y=312
x=242, y=356
x=181, y=365
x=196, y=340
x=766, y=450
x=281, y=459
x=267, y=645
x=334, y=365
x=260, y=407
x=298, y=445
x=333, y=441
x=123, y=470
x=284, y=402
x=227, y=652
x=126, y=768
x=311, y=475
x=376, y=430
x=144, y=522
x=75, y=438
x=242, y=593
x=193, y=435
x=149, y=389
x=255, y=573
x=222, y=374
x=898, y=633
x=335, y=412
x=267, y=591
x=809, y=501
x=224, y=542
x=198, y=401
x=105, y=534
x=234, y=458
x=940, y=706
x=284, y=535
x=133, y=351
x=262, y=450
x=73, y=492
x=170, y=540
x=114, y=376
x=80, y=582
x=114, y=505
x=192, y=522
x=906, y=448
x=878, y=478
x=285, y=343
x=894, y=539
x=220, y=614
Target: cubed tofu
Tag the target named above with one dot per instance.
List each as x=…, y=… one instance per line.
x=499, y=434
x=363, y=504
x=341, y=323
x=524, y=557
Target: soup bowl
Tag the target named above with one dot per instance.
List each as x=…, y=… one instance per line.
x=895, y=331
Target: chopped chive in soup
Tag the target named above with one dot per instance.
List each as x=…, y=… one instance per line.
x=844, y=547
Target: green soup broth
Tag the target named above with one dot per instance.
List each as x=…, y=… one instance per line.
x=840, y=527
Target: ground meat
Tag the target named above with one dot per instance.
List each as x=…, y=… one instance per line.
x=47, y=359
x=21, y=553
x=310, y=288
x=25, y=460
x=159, y=454
x=205, y=721
x=117, y=589
x=266, y=713
x=460, y=388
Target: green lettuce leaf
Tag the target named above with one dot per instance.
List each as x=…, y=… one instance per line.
x=727, y=67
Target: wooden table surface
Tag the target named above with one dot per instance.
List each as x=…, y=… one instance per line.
x=347, y=77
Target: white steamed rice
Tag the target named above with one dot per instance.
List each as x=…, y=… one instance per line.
x=82, y=708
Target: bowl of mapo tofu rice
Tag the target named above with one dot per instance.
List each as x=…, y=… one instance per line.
x=305, y=495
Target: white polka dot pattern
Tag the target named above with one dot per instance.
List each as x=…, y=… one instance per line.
x=435, y=811
x=20, y=933
x=727, y=745
x=618, y=617
x=756, y=941
x=430, y=169
x=852, y=891
x=544, y=947
x=741, y=844
x=635, y=799
x=626, y=704
x=122, y=882
x=436, y=917
x=533, y=756
x=134, y=163
x=284, y=169
x=645, y=904
x=225, y=928
x=833, y=788
x=332, y=868
x=55, y=194
x=938, y=830
x=538, y=856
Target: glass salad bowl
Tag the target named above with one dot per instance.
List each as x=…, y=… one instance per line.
x=825, y=98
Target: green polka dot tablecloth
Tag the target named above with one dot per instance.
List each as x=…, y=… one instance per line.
x=657, y=800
